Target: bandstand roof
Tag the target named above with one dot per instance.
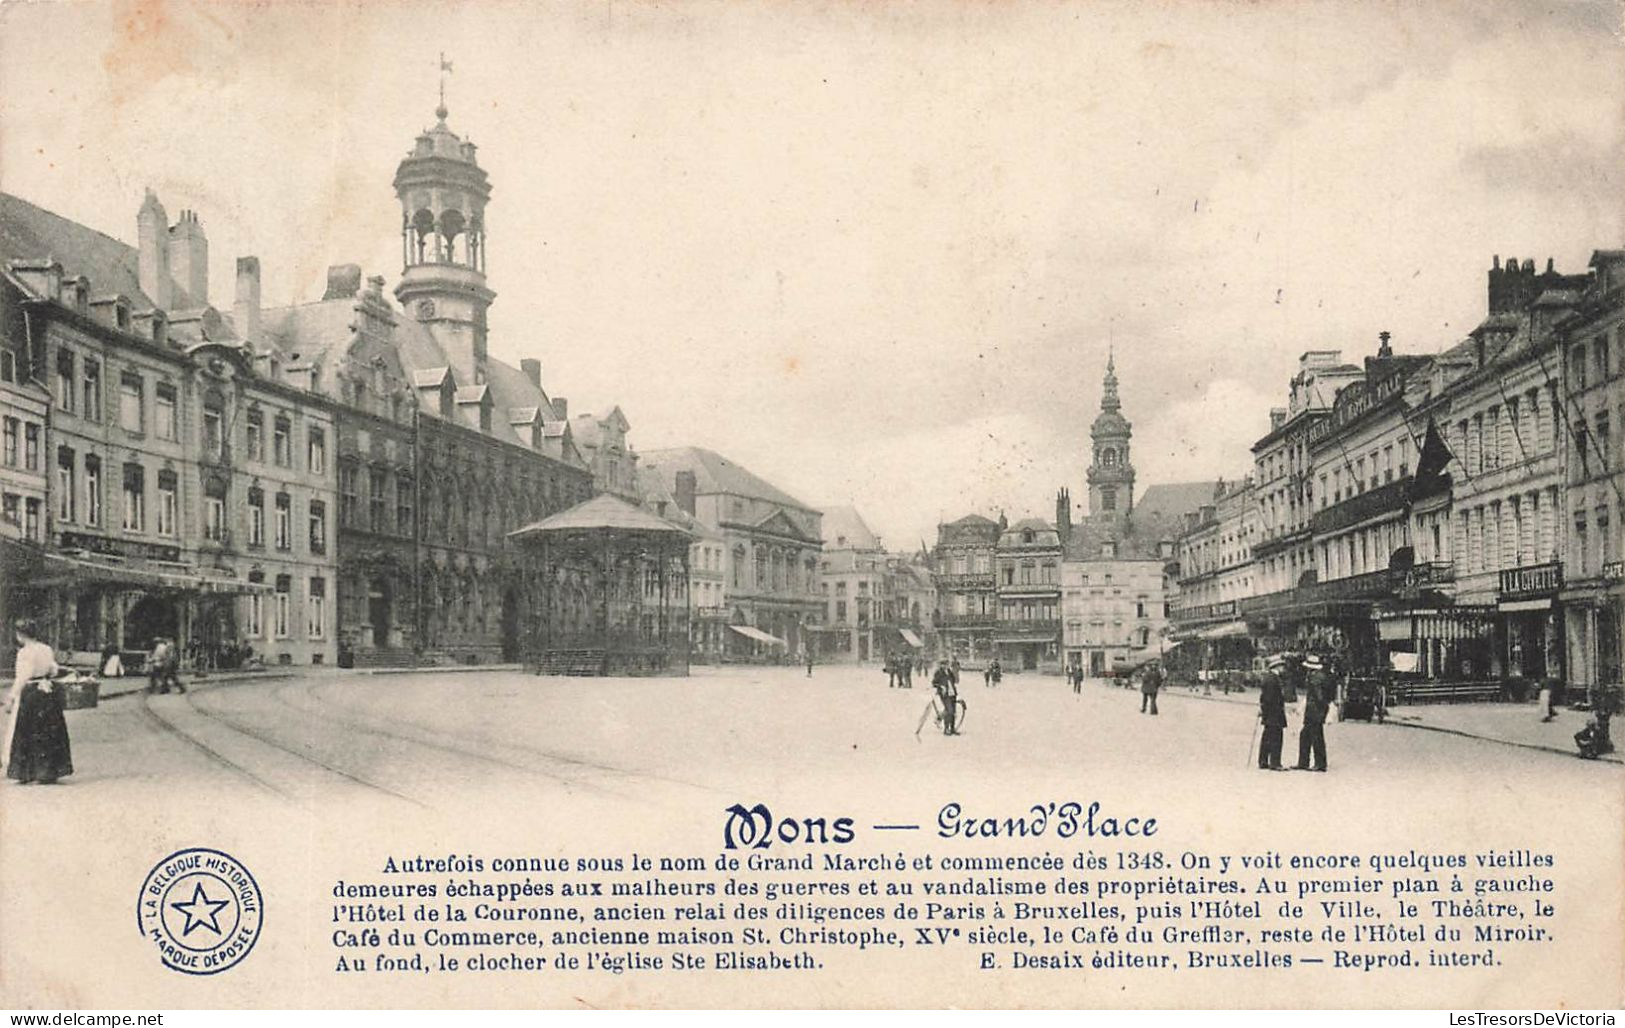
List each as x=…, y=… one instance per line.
x=602, y=512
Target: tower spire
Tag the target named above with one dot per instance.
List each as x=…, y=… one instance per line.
x=1108, y=397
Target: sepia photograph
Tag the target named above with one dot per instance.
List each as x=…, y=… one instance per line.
x=654, y=505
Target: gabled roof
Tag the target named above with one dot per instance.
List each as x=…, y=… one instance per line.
x=780, y=523
x=714, y=473
x=478, y=393
x=1173, y=499
x=845, y=529
x=27, y=231
x=427, y=378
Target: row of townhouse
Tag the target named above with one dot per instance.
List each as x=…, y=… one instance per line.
x=1456, y=515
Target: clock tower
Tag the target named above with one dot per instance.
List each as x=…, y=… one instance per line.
x=443, y=191
x=1111, y=476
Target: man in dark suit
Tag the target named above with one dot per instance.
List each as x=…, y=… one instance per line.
x=1272, y=712
x=1312, y=736
x=1150, y=683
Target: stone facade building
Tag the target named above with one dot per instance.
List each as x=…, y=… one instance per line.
x=192, y=486
x=966, y=587
x=444, y=449
x=772, y=542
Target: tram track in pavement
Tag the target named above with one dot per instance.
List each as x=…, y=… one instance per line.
x=392, y=728
x=265, y=739
x=167, y=727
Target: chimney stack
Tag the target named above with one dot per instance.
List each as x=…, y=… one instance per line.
x=245, y=309
x=189, y=258
x=1063, y=515
x=1383, y=349
x=686, y=487
x=1277, y=417
x=533, y=370
x=152, y=251
x=343, y=281
x=561, y=406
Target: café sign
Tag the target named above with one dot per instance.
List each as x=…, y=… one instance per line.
x=1531, y=583
x=117, y=547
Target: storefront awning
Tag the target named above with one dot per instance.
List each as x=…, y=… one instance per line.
x=910, y=638
x=758, y=635
x=1228, y=630
x=57, y=569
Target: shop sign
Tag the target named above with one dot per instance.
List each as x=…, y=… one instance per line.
x=118, y=547
x=1357, y=403
x=1535, y=582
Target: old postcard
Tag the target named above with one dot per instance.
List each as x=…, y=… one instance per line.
x=947, y=504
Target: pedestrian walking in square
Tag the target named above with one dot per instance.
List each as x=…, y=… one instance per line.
x=36, y=743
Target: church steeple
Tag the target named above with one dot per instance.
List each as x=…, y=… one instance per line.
x=443, y=192
x=1111, y=475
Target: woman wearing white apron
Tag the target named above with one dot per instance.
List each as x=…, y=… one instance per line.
x=36, y=743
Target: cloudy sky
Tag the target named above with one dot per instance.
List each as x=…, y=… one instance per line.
x=875, y=253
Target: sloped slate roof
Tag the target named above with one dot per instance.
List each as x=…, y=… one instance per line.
x=714, y=473
x=1172, y=499
x=310, y=330
x=604, y=511
x=844, y=522
x=30, y=232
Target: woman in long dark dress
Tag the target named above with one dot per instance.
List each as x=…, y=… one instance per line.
x=37, y=749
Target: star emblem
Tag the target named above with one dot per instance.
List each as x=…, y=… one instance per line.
x=200, y=910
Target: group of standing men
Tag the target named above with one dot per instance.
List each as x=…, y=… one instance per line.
x=1287, y=675
x=900, y=669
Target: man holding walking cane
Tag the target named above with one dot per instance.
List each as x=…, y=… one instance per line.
x=1272, y=714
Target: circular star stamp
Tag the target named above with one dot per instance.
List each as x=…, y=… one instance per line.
x=202, y=909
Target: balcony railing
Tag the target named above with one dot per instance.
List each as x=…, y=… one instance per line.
x=1401, y=583
x=972, y=580
x=1392, y=496
x=966, y=620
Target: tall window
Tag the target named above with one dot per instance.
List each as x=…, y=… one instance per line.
x=31, y=522
x=316, y=609
x=282, y=441
x=167, y=503
x=281, y=618
x=135, y=498
x=64, y=380
x=93, y=489
x=255, y=620
x=256, y=516
x=214, y=509
x=318, y=451
x=93, y=389
x=256, y=434
x=403, y=506
x=214, y=423
x=8, y=366
x=318, y=526
x=31, y=447
x=13, y=430
x=129, y=401
x=378, y=500
x=66, y=466
x=348, y=500
x=164, y=425
x=284, y=521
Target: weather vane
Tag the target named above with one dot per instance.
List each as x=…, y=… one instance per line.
x=445, y=69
